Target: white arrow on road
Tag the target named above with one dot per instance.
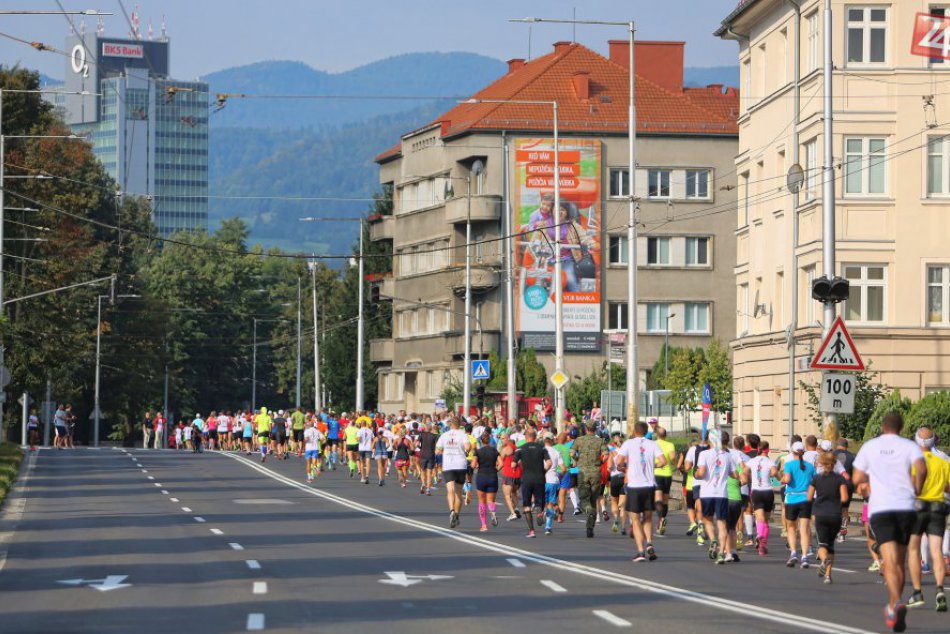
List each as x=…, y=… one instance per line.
x=404, y=580
x=111, y=582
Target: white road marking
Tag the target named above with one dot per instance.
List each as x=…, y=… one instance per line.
x=174, y=499
x=236, y=546
x=255, y=621
x=144, y=470
x=158, y=484
x=186, y=509
x=151, y=477
x=261, y=501
x=253, y=564
x=260, y=587
x=744, y=609
x=164, y=492
x=850, y=572
x=517, y=563
x=613, y=619
x=217, y=531
x=200, y=520
x=547, y=583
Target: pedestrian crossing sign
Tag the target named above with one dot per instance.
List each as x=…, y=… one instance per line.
x=837, y=351
x=480, y=369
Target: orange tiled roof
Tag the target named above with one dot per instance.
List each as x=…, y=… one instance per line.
x=694, y=111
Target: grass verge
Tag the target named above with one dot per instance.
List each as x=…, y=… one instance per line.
x=10, y=458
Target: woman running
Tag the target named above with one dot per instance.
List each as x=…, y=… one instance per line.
x=826, y=493
x=487, y=462
x=403, y=453
x=796, y=478
x=381, y=452
x=761, y=472
x=510, y=476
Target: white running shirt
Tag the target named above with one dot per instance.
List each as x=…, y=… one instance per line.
x=452, y=443
x=887, y=460
x=641, y=455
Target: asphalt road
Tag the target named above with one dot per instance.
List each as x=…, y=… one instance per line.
x=159, y=541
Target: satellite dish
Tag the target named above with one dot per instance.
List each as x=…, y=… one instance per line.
x=478, y=167
x=795, y=178
x=757, y=308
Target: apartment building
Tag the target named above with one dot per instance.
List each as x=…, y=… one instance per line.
x=492, y=163
x=891, y=167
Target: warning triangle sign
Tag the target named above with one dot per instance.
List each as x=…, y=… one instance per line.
x=837, y=351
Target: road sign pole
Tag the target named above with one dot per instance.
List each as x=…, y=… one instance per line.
x=828, y=194
x=25, y=399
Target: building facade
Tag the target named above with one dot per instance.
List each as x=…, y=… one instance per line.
x=491, y=164
x=149, y=131
x=891, y=167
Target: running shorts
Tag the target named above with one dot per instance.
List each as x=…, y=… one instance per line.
x=735, y=512
x=399, y=464
x=640, y=499
x=455, y=475
x=60, y=431
x=664, y=484
x=565, y=482
x=486, y=484
x=213, y=434
x=333, y=442
x=298, y=435
x=382, y=455
x=263, y=435
x=795, y=512
x=512, y=482
x=573, y=481
x=550, y=492
x=366, y=455
x=427, y=463
x=313, y=454
x=827, y=527
x=353, y=448
x=717, y=508
x=532, y=491
x=932, y=520
x=616, y=486
x=763, y=501
x=690, y=501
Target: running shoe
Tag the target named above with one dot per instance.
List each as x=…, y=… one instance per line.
x=925, y=569
x=483, y=529
x=403, y=484
x=691, y=530
x=577, y=512
x=805, y=562
x=874, y=567
x=539, y=517
x=895, y=619
x=512, y=518
x=750, y=541
x=916, y=600
x=822, y=569
x=651, y=552
x=517, y=514
x=713, y=548
x=763, y=550
x=735, y=558
x=494, y=519
x=531, y=534
x=422, y=490
x=547, y=530
x=792, y=560
x=606, y=516
x=941, y=600
x=720, y=560
x=661, y=530
x=560, y=517
x=700, y=540
x=740, y=545
x=827, y=580
x=616, y=527
x=840, y=538
x=453, y=519
x=590, y=532
x=639, y=557
x=382, y=482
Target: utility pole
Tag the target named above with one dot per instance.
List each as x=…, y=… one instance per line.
x=297, y=402
x=796, y=159
x=254, y=370
x=828, y=193
x=558, y=285
x=316, y=343
x=509, y=293
x=360, y=329
x=467, y=363
x=633, y=374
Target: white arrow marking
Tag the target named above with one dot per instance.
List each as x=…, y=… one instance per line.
x=111, y=582
x=399, y=579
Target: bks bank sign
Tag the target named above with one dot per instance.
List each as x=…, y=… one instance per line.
x=112, y=49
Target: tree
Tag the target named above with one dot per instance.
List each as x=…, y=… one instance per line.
x=867, y=394
x=933, y=410
x=658, y=373
x=683, y=379
x=717, y=371
x=893, y=402
x=532, y=377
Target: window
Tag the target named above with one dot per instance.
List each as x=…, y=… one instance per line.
x=811, y=169
x=697, y=183
x=938, y=166
x=697, y=317
x=656, y=316
x=747, y=82
x=864, y=166
x=809, y=303
x=617, y=315
x=658, y=183
x=658, y=251
x=744, y=203
x=778, y=294
x=697, y=251
x=938, y=295
x=942, y=12
x=813, y=35
x=867, y=35
x=743, y=298
x=784, y=34
x=764, y=69
x=619, y=182
x=618, y=250
x=868, y=289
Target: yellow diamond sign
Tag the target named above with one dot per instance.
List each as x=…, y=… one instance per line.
x=559, y=379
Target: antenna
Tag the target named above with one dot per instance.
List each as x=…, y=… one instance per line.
x=529, y=42
x=100, y=26
x=574, y=27
x=82, y=27
x=164, y=37
x=151, y=31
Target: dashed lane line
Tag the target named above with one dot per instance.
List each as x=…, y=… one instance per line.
x=517, y=563
x=235, y=546
x=611, y=618
x=199, y=519
x=217, y=531
x=260, y=587
x=551, y=585
x=255, y=621
x=253, y=564
x=186, y=509
x=174, y=499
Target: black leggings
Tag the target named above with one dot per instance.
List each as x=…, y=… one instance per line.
x=827, y=527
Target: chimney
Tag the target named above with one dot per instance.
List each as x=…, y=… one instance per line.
x=515, y=64
x=661, y=63
x=561, y=47
x=582, y=85
x=620, y=52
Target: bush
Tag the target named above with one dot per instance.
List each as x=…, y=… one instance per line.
x=933, y=411
x=893, y=402
x=10, y=458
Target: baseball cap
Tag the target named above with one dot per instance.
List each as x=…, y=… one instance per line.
x=592, y=424
x=798, y=447
x=654, y=421
x=825, y=445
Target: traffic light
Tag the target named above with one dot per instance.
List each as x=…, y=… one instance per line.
x=834, y=290
x=374, y=294
x=480, y=397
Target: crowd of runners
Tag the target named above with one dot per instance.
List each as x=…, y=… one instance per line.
x=730, y=486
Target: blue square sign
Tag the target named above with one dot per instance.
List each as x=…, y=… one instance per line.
x=480, y=369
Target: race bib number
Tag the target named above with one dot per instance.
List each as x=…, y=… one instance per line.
x=931, y=36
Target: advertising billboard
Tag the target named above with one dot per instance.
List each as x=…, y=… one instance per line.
x=578, y=221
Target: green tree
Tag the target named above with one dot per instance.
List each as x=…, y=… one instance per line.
x=868, y=392
x=933, y=411
x=683, y=379
x=717, y=371
x=532, y=377
x=893, y=402
x=658, y=373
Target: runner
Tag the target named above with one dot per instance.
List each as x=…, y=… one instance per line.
x=827, y=492
x=33, y=430
x=427, y=444
x=846, y=458
x=402, y=454
x=534, y=461
x=312, y=438
x=618, y=491
x=59, y=423
x=563, y=448
x=352, y=438
x=454, y=446
x=886, y=462
x=588, y=453
x=690, y=464
x=664, y=478
x=931, y=521
x=735, y=487
x=510, y=477
x=263, y=423
x=796, y=476
x=553, y=474
x=713, y=469
x=487, y=462
x=333, y=440
x=761, y=472
x=298, y=425
x=247, y=434
x=365, y=442
x=640, y=456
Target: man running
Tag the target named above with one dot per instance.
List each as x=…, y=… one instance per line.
x=588, y=452
x=298, y=426
x=365, y=445
x=454, y=447
x=639, y=456
x=552, y=482
x=312, y=437
x=263, y=423
x=714, y=467
x=664, y=478
x=534, y=461
x=427, y=444
x=886, y=462
x=352, y=439
x=931, y=520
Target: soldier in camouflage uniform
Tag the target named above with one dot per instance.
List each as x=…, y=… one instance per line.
x=588, y=451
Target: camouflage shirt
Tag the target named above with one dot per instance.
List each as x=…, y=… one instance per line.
x=588, y=450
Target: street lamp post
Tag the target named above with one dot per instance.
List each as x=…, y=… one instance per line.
x=297, y=400
x=633, y=375
x=666, y=347
x=316, y=343
x=96, y=413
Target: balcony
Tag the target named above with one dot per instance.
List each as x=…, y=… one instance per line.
x=484, y=279
x=381, y=350
x=484, y=208
x=382, y=228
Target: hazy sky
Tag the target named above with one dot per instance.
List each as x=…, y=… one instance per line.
x=209, y=35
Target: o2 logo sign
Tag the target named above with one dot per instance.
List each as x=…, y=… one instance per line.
x=78, y=61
